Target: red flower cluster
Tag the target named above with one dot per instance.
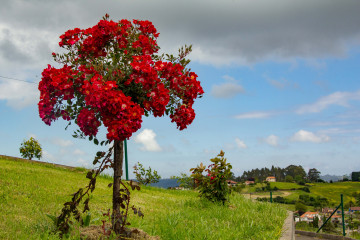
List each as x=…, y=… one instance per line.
x=88, y=122
x=99, y=89
x=56, y=85
x=183, y=116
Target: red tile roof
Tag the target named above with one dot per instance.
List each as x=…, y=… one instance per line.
x=309, y=214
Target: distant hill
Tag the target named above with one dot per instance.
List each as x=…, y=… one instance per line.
x=165, y=183
x=328, y=177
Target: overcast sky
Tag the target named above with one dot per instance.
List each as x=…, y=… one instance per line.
x=281, y=81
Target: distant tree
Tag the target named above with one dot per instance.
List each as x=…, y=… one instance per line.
x=315, y=222
x=232, y=176
x=289, y=178
x=329, y=226
x=355, y=176
x=300, y=207
x=31, y=148
x=294, y=171
x=299, y=180
x=313, y=175
x=184, y=180
x=145, y=176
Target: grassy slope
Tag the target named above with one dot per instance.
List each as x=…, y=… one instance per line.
x=331, y=191
x=30, y=190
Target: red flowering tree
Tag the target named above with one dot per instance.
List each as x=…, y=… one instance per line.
x=111, y=75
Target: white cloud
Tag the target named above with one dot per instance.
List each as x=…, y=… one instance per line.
x=18, y=94
x=147, y=139
x=78, y=152
x=253, y=115
x=337, y=98
x=281, y=83
x=240, y=143
x=305, y=136
x=272, y=140
x=82, y=162
x=61, y=142
x=228, y=89
x=48, y=157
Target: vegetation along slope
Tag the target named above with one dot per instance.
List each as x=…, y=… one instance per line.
x=30, y=191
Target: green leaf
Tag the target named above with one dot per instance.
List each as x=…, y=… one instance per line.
x=52, y=217
x=96, y=141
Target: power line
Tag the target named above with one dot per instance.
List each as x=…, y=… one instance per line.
x=16, y=79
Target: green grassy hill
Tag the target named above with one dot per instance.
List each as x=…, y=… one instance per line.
x=291, y=191
x=29, y=191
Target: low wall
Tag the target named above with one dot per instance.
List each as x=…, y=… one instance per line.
x=322, y=235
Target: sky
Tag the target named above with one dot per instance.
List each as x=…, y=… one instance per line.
x=281, y=81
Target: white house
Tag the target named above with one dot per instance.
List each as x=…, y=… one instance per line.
x=309, y=216
x=271, y=179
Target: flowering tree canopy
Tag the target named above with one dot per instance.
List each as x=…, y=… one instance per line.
x=112, y=75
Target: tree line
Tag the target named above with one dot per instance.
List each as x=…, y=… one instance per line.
x=289, y=174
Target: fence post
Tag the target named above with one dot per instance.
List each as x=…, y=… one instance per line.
x=271, y=197
x=342, y=214
x=126, y=161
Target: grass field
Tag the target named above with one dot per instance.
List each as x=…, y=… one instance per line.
x=29, y=191
x=331, y=191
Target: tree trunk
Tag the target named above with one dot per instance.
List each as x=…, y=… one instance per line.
x=118, y=168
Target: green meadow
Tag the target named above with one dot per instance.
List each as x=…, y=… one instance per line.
x=31, y=191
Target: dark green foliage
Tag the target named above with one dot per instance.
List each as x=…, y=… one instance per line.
x=262, y=174
x=355, y=176
x=145, y=176
x=317, y=202
x=238, y=188
x=277, y=199
x=297, y=172
x=31, y=148
x=213, y=186
x=328, y=227
x=315, y=222
x=313, y=175
x=289, y=178
x=300, y=207
x=184, y=180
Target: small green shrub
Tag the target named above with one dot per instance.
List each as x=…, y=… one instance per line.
x=145, y=176
x=213, y=186
x=184, y=180
x=31, y=148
